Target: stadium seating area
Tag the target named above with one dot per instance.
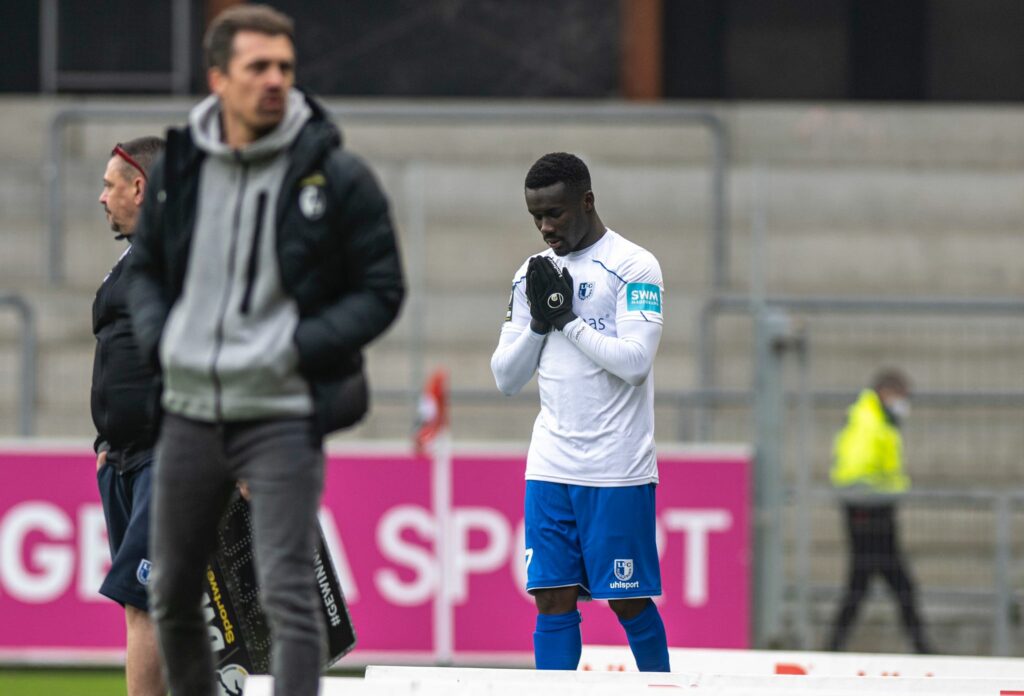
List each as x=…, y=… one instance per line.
x=854, y=201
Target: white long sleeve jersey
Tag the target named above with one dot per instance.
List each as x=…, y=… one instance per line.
x=596, y=420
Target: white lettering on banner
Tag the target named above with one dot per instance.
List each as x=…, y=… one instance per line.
x=696, y=526
x=338, y=556
x=48, y=573
x=504, y=545
x=406, y=554
x=486, y=559
x=93, y=553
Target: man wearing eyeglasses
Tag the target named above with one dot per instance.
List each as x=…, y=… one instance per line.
x=123, y=400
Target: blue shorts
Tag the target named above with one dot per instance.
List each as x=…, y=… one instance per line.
x=601, y=539
x=125, y=496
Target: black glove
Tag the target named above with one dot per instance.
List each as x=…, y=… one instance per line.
x=552, y=292
x=535, y=295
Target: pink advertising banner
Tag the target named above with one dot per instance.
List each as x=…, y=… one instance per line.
x=380, y=525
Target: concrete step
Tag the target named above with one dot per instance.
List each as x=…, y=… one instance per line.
x=822, y=197
x=949, y=136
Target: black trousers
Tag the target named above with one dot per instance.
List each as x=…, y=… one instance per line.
x=875, y=549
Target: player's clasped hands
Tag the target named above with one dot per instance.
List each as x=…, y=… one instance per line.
x=549, y=292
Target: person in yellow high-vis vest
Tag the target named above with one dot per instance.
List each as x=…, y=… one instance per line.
x=868, y=475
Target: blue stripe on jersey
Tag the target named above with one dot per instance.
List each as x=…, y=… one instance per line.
x=621, y=279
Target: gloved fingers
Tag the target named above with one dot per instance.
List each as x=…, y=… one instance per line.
x=567, y=280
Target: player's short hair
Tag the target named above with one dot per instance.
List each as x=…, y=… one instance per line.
x=143, y=151
x=218, y=43
x=891, y=379
x=557, y=167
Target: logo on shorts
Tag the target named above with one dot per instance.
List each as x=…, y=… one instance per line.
x=623, y=568
x=231, y=679
x=586, y=290
x=142, y=572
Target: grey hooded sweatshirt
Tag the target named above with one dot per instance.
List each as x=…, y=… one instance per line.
x=227, y=350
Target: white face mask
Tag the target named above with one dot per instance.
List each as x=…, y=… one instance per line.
x=899, y=407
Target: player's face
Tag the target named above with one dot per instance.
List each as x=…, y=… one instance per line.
x=121, y=196
x=254, y=89
x=562, y=217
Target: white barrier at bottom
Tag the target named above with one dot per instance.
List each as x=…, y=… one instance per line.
x=763, y=662
x=442, y=681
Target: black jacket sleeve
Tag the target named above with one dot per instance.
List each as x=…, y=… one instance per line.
x=148, y=294
x=359, y=212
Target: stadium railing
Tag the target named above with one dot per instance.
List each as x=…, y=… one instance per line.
x=27, y=366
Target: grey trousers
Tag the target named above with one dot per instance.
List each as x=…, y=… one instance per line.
x=197, y=465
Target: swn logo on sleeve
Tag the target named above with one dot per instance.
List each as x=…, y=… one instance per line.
x=643, y=297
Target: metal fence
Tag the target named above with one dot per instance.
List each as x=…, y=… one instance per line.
x=965, y=551
x=489, y=114
x=26, y=399
x=53, y=78
x=964, y=443
x=698, y=160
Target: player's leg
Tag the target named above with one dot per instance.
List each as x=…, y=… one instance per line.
x=142, y=667
x=283, y=465
x=557, y=642
x=191, y=488
x=620, y=550
x=555, y=575
x=645, y=632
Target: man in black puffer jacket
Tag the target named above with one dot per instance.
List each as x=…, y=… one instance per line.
x=265, y=261
x=124, y=396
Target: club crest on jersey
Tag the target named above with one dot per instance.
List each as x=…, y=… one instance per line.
x=623, y=568
x=312, y=202
x=586, y=290
x=143, y=571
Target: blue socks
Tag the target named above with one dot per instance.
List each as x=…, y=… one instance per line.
x=557, y=643
x=646, y=635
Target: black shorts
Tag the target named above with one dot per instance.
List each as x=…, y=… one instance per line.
x=126, y=496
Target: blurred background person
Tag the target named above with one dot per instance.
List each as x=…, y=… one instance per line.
x=868, y=475
x=125, y=390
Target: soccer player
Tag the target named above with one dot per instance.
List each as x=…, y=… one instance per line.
x=124, y=395
x=265, y=262
x=586, y=316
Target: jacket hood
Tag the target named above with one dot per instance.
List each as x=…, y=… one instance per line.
x=871, y=408
x=207, y=131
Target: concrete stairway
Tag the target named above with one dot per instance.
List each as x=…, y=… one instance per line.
x=864, y=200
